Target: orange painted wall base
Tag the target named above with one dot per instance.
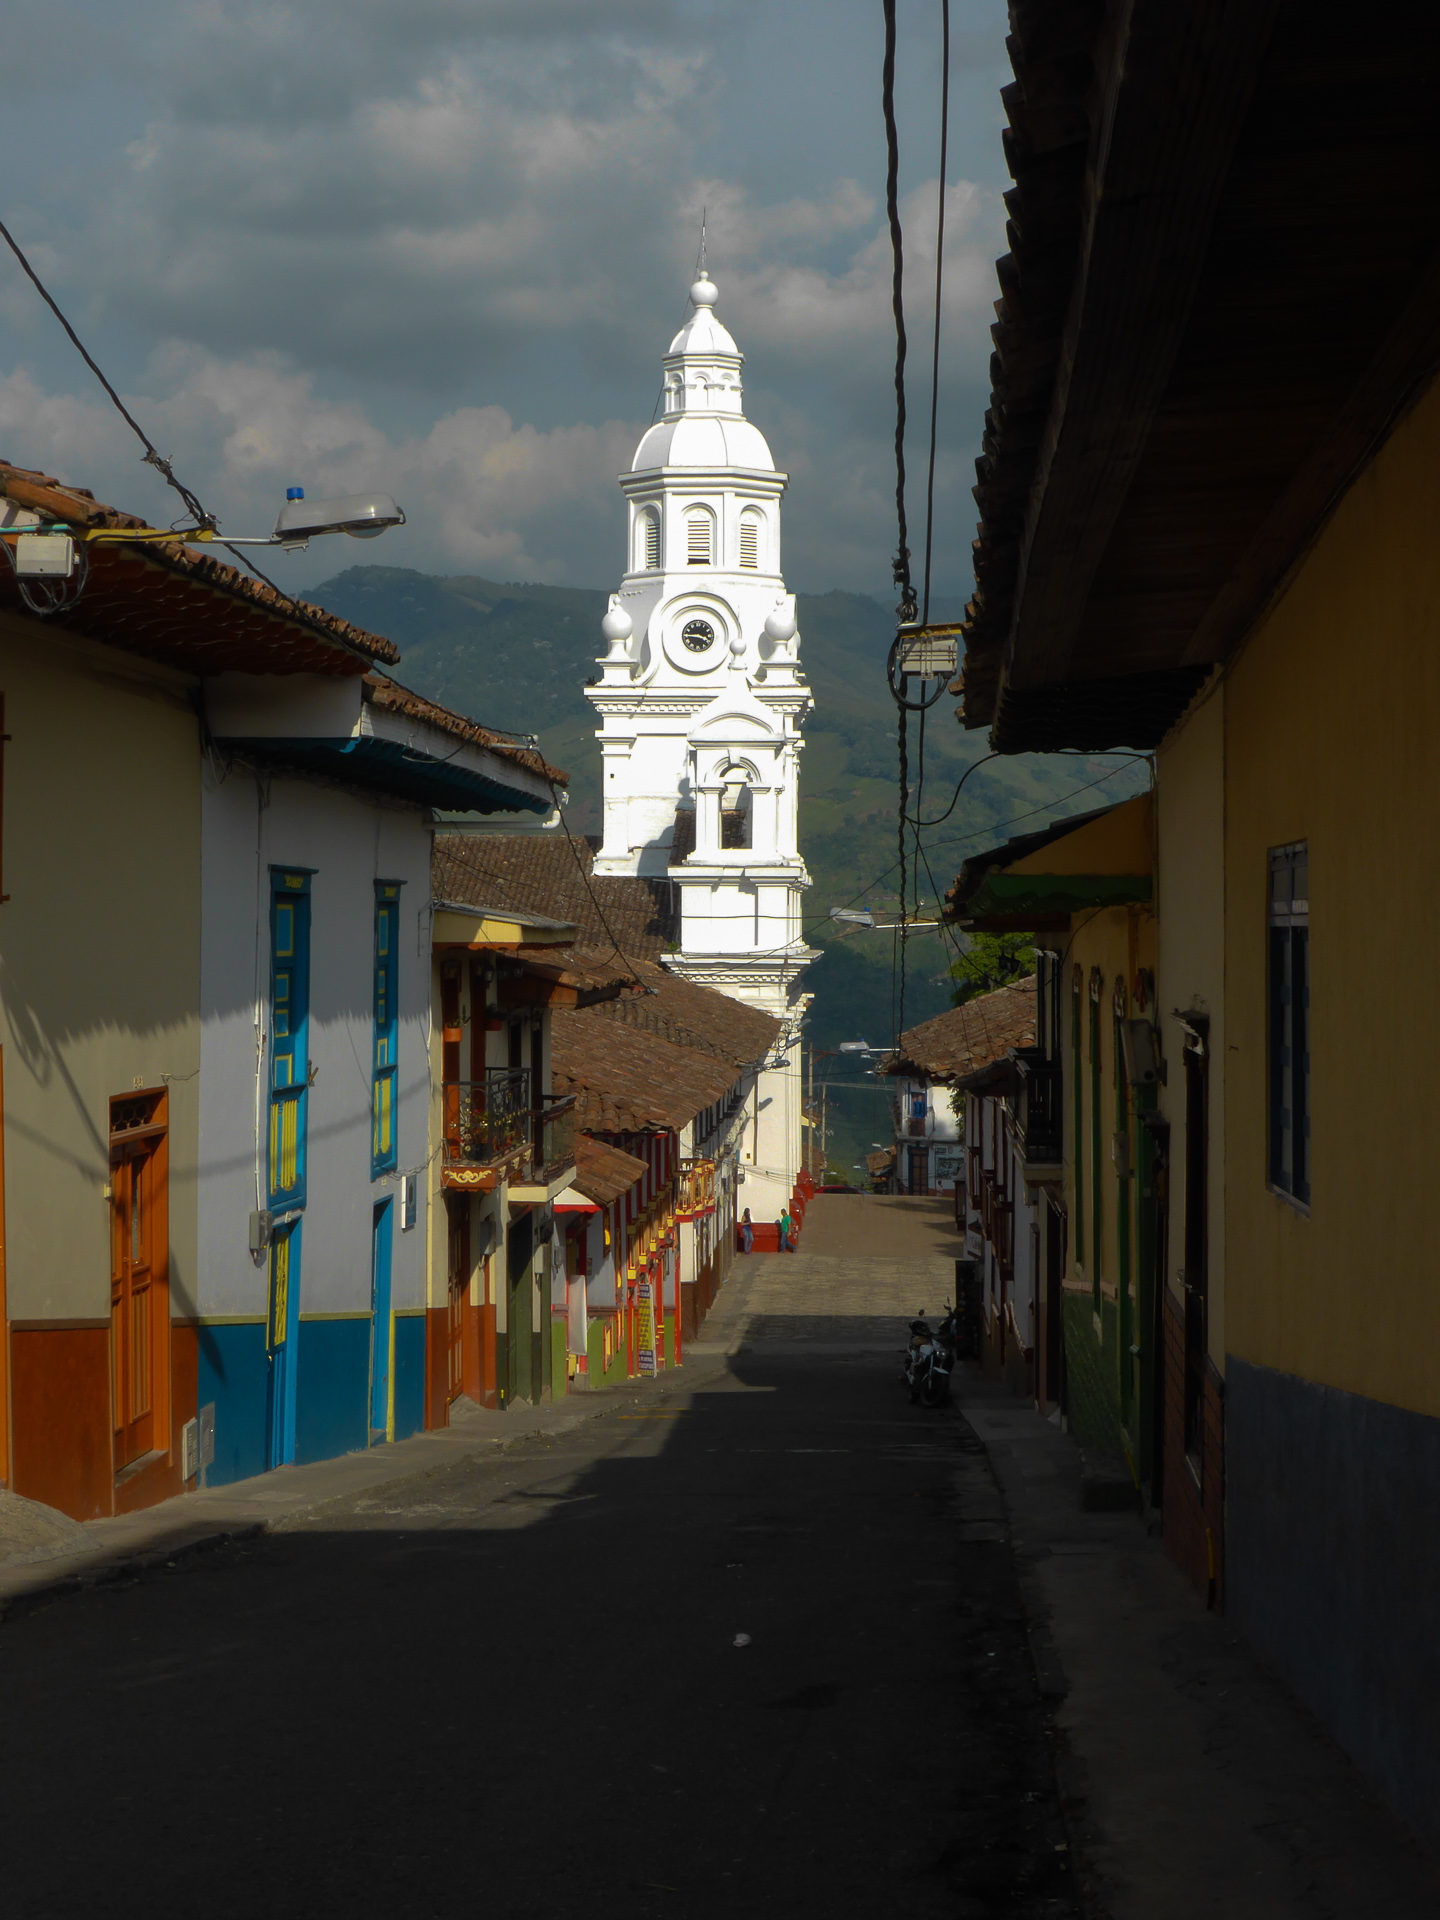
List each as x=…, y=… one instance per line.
x=60, y=1417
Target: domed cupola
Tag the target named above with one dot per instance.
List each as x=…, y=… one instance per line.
x=703, y=423
x=701, y=700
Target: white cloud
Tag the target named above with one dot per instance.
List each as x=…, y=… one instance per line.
x=440, y=248
x=480, y=491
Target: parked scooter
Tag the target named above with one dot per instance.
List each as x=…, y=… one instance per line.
x=929, y=1359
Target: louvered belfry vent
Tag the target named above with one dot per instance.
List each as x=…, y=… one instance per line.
x=650, y=538
x=750, y=541
x=697, y=539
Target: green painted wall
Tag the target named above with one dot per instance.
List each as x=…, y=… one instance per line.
x=1092, y=1375
x=598, y=1375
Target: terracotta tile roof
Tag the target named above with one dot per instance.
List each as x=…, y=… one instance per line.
x=696, y=1017
x=592, y=974
x=655, y=1059
x=628, y=1080
x=603, y=1172
x=967, y=1040
x=175, y=604
x=652, y=1059
x=551, y=874
x=382, y=691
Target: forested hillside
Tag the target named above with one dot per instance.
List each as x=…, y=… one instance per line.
x=519, y=656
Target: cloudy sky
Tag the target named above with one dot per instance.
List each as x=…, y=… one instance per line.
x=438, y=247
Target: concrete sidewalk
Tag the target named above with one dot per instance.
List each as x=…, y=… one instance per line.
x=43, y=1552
x=1194, y=1784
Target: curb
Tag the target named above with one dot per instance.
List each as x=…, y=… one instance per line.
x=38, y=1586
x=112, y=1572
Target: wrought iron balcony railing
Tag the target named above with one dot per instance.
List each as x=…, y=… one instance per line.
x=1039, y=1113
x=487, y=1120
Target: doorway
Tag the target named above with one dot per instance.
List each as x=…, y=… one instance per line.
x=382, y=1336
x=139, y=1305
x=282, y=1340
x=518, y=1381
x=457, y=1290
x=1197, y=1251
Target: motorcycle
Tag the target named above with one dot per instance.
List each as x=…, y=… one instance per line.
x=929, y=1359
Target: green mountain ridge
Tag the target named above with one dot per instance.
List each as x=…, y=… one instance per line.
x=517, y=657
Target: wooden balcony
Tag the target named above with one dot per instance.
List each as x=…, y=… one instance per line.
x=493, y=1129
x=695, y=1189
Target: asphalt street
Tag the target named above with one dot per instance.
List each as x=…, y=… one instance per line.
x=750, y=1642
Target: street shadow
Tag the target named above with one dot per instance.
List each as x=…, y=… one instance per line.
x=721, y=1650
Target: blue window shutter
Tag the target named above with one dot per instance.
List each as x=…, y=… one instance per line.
x=384, y=1145
x=289, y=1035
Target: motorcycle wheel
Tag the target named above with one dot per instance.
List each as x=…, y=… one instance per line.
x=936, y=1391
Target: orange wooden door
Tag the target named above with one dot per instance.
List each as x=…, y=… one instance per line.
x=132, y=1299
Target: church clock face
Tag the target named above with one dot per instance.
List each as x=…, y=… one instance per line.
x=698, y=635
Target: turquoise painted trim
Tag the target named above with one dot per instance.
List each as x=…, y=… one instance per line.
x=397, y=767
x=289, y=1027
x=409, y=1386
x=384, y=1086
x=381, y=1236
x=334, y=1389
x=233, y=1375
x=282, y=1344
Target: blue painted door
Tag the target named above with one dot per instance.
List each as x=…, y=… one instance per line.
x=282, y=1341
x=380, y=1416
x=288, y=1102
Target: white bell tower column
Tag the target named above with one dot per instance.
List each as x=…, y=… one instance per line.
x=701, y=701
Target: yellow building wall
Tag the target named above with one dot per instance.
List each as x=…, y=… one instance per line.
x=1120, y=841
x=1120, y=941
x=1190, y=966
x=99, y=954
x=1332, y=716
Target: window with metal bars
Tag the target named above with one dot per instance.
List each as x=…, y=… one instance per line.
x=699, y=538
x=1288, y=1021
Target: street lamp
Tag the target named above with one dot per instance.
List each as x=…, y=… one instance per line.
x=362, y=515
x=861, y=917
x=47, y=549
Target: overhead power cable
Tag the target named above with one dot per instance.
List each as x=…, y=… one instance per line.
x=205, y=521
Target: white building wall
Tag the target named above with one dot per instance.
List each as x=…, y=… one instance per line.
x=249, y=824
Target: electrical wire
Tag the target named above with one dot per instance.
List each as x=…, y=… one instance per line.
x=153, y=457
x=589, y=887
x=939, y=285
x=205, y=521
x=900, y=566
x=895, y=675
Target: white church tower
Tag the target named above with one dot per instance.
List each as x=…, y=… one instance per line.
x=701, y=701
